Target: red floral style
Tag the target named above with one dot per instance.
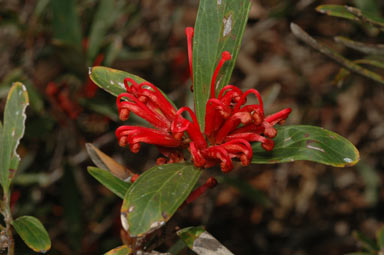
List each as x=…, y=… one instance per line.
x=230, y=124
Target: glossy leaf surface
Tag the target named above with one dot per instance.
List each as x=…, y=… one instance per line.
x=110, y=181
x=155, y=196
x=219, y=27
x=201, y=242
x=33, y=233
x=311, y=143
x=12, y=130
x=111, y=80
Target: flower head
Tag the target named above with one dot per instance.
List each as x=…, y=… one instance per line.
x=230, y=124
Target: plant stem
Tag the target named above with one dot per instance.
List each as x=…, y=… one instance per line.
x=6, y=211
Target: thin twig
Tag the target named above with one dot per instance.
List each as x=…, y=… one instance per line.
x=302, y=35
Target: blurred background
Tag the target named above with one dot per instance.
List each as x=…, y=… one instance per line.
x=295, y=208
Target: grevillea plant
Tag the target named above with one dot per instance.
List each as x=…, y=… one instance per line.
x=222, y=129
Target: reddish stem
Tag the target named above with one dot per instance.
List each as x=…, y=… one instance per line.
x=209, y=184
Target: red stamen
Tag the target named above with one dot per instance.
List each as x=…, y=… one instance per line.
x=158, y=99
x=209, y=184
x=140, y=109
x=197, y=157
x=189, y=34
x=127, y=81
x=244, y=98
x=193, y=129
x=215, y=114
x=218, y=152
x=279, y=116
x=134, y=135
x=242, y=147
x=232, y=123
x=267, y=144
x=225, y=56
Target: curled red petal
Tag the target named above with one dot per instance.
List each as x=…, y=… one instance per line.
x=140, y=109
x=240, y=148
x=243, y=99
x=279, y=116
x=134, y=135
x=215, y=114
x=157, y=98
x=127, y=81
x=219, y=153
x=266, y=143
x=192, y=128
x=232, y=123
x=197, y=157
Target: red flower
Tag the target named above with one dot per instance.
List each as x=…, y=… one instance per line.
x=230, y=125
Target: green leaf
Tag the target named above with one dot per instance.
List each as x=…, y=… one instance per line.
x=66, y=24
x=103, y=161
x=33, y=233
x=155, y=196
x=112, y=80
x=380, y=237
x=311, y=143
x=219, y=27
x=201, y=242
x=336, y=11
x=12, y=131
x=106, y=14
x=121, y=250
x=110, y=181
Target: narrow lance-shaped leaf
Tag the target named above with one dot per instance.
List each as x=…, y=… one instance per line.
x=110, y=181
x=219, y=27
x=33, y=233
x=155, y=196
x=202, y=242
x=311, y=143
x=12, y=131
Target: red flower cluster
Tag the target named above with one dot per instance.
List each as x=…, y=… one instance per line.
x=230, y=125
